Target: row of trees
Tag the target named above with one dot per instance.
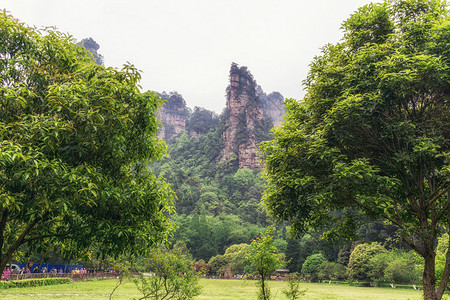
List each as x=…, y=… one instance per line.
x=207, y=236
x=368, y=263
x=171, y=273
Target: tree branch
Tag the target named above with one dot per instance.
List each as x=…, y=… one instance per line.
x=447, y=204
x=17, y=243
x=410, y=243
x=2, y=229
x=44, y=236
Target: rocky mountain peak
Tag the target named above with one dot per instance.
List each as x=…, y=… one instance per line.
x=247, y=118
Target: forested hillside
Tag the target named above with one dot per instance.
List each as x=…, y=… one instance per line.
x=218, y=202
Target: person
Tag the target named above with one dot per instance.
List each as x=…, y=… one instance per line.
x=44, y=270
x=60, y=271
x=6, y=273
x=53, y=271
x=36, y=269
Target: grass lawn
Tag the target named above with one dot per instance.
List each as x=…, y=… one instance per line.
x=212, y=289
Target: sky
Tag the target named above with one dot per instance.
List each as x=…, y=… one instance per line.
x=188, y=45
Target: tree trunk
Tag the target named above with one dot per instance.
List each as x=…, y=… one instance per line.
x=445, y=276
x=263, y=288
x=429, y=278
x=2, y=229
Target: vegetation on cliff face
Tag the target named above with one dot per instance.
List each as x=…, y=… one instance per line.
x=174, y=101
x=202, y=121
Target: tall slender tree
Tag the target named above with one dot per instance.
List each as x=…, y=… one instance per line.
x=264, y=259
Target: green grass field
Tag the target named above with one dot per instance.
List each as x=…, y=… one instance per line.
x=212, y=289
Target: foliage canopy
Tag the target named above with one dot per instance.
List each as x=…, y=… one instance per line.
x=371, y=138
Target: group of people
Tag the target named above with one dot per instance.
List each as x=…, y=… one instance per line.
x=36, y=272
x=7, y=272
x=26, y=270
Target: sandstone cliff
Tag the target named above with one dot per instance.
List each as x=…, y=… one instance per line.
x=176, y=117
x=244, y=121
x=272, y=105
x=172, y=114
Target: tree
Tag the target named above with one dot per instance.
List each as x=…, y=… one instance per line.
x=371, y=138
x=218, y=264
x=292, y=255
x=293, y=290
x=332, y=271
x=402, y=268
x=75, y=142
x=311, y=266
x=441, y=253
x=264, y=259
x=235, y=257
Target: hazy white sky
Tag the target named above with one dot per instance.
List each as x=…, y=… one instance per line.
x=188, y=45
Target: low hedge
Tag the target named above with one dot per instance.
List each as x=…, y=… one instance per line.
x=368, y=284
x=33, y=282
x=401, y=286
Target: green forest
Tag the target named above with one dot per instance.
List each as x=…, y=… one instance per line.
x=219, y=206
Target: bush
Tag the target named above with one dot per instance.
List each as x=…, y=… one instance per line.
x=331, y=271
x=311, y=266
x=33, y=282
x=359, y=267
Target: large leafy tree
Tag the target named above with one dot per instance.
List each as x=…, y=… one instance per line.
x=75, y=142
x=371, y=137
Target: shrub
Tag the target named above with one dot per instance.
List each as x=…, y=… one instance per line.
x=311, y=266
x=33, y=282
